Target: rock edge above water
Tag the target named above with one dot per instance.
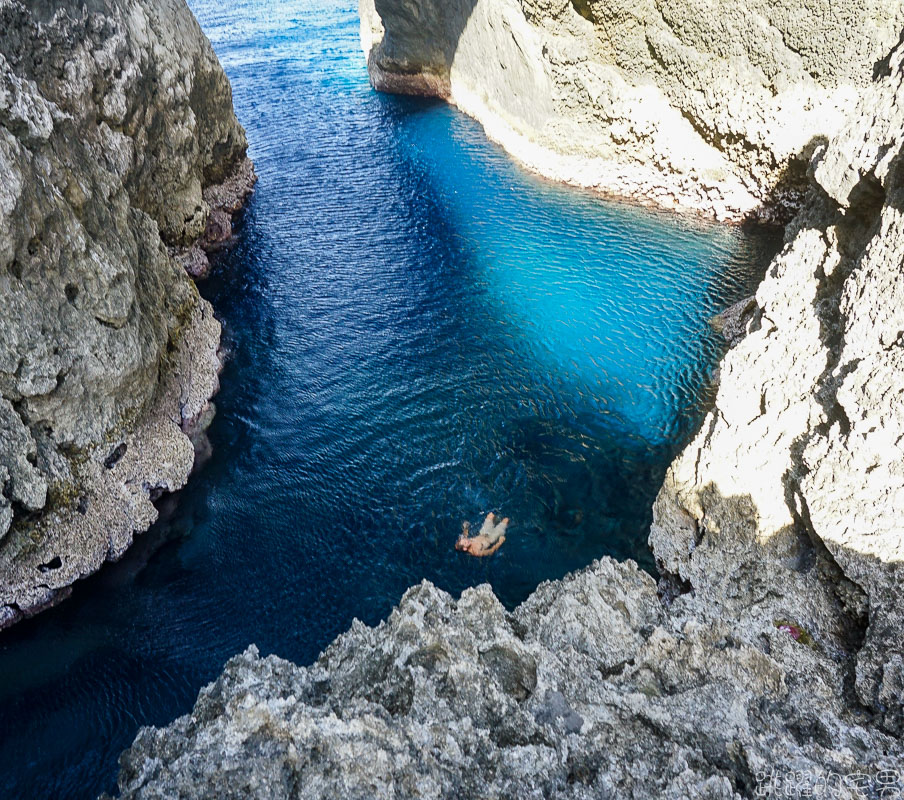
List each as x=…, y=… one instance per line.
x=121, y=158
x=704, y=107
x=590, y=689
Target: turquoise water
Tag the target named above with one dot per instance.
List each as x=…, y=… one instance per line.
x=420, y=332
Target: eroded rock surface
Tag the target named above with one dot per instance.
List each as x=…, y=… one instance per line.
x=795, y=484
x=590, y=689
x=699, y=104
x=767, y=661
x=114, y=117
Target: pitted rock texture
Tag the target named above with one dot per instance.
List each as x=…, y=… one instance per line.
x=699, y=105
x=114, y=117
x=590, y=689
x=795, y=484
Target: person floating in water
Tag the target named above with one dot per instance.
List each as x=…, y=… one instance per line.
x=487, y=542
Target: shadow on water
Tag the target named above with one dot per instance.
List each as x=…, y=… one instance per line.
x=419, y=333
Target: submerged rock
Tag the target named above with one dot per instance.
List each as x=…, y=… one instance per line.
x=114, y=117
x=770, y=661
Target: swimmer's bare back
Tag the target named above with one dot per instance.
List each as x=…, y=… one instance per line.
x=487, y=542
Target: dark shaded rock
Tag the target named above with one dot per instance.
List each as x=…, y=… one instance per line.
x=218, y=230
x=734, y=322
x=194, y=261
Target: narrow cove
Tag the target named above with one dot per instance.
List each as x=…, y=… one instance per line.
x=420, y=332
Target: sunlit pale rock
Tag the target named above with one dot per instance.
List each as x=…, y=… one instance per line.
x=804, y=497
x=699, y=105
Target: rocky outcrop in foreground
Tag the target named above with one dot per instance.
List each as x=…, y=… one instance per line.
x=591, y=689
x=709, y=105
x=116, y=136
x=768, y=660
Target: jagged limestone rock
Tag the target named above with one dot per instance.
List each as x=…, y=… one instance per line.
x=27, y=486
x=113, y=118
x=590, y=689
x=795, y=483
x=697, y=104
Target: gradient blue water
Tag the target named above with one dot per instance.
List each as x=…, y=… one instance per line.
x=421, y=332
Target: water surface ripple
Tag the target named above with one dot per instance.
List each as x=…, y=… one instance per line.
x=420, y=332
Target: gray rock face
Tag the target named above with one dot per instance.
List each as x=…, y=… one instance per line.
x=699, y=104
x=113, y=118
x=590, y=689
x=795, y=484
x=768, y=663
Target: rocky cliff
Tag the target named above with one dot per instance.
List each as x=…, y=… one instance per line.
x=766, y=662
x=795, y=484
x=116, y=135
x=591, y=689
x=698, y=104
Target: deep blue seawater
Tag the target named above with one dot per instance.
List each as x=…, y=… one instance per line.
x=420, y=332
